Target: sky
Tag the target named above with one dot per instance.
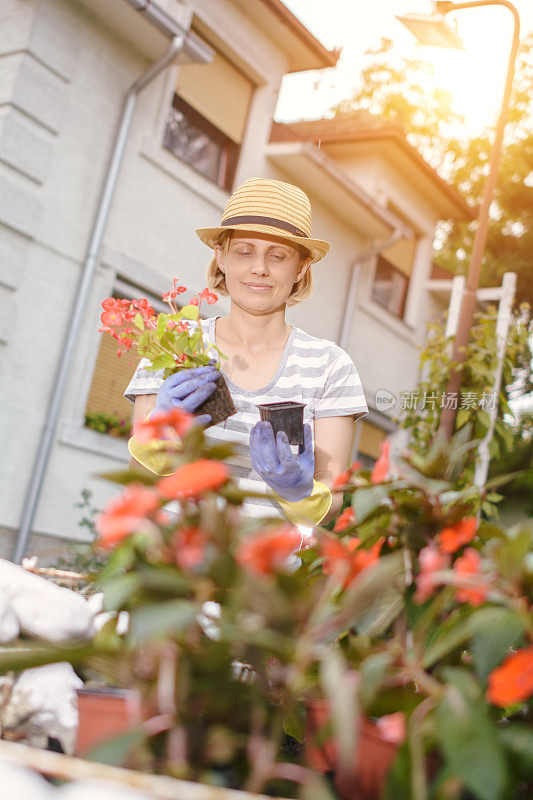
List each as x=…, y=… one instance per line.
x=475, y=77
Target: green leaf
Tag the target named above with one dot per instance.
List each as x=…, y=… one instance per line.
x=126, y=476
x=116, y=750
x=517, y=738
x=341, y=691
x=118, y=590
x=469, y=740
x=494, y=630
x=365, y=501
x=158, y=620
x=294, y=723
x=190, y=312
x=372, y=671
x=454, y=632
x=373, y=601
x=161, y=323
x=463, y=416
x=483, y=417
x=139, y=322
x=163, y=361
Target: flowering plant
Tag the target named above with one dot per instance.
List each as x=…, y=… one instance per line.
x=411, y=612
x=171, y=341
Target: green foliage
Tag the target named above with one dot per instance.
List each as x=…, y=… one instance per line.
x=402, y=91
x=108, y=423
x=227, y=639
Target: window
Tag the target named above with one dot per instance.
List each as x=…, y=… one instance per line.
x=107, y=411
x=390, y=287
x=369, y=445
x=208, y=118
x=193, y=139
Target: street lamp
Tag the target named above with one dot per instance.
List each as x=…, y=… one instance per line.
x=433, y=29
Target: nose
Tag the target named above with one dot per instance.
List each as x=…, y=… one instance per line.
x=259, y=265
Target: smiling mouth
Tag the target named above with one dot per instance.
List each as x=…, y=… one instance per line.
x=258, y=286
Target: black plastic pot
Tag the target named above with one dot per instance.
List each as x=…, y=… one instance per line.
x=286, y=416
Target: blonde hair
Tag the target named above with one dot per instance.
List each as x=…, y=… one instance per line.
x=302, y=289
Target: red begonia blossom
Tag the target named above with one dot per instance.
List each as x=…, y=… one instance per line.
x=455, y=536
x=266, y=552
x=431, y=560
x=164, y=425
x=381, y=469
x=469, y=565
x=512, y=682
x=392, y=727
x=188, y=545
x=124, y=514
x=344, y=520
x=192, y=480
x=344, y=477
x=346, y=560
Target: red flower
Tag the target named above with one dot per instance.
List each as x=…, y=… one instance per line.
x=211, y=298
x=267, y=551
x=380, y=471
x=164, y=425
x=112, y=317
x=191, y=480
x=344, y=520
x=468, y=565
x=110, y=303
x=512, y=682
x=189, y=546
x=124, y=514
x=346, y=561
x=392, y=727
x=431, y=560
x=452, y=538
x=194, y=301
x=344, y=477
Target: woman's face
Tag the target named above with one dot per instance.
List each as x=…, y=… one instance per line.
x=260, y=271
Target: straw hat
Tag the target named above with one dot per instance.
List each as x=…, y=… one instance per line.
x=278, y=209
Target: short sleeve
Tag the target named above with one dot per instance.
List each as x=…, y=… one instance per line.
x=144, y=381
x=343, y=392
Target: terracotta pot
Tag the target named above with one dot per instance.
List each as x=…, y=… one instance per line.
x=372, y=760
x=103, y=714
x=219, y=404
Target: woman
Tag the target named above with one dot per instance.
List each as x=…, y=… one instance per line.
x=262, y=260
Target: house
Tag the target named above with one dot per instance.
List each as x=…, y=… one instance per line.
x=86, y=212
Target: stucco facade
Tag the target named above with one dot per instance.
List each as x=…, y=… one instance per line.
x=65, y=67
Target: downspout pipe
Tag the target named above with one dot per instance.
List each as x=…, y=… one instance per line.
x=349, y=306
x=36, y=479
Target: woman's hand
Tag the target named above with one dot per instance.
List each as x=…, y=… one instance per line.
x=188, y=389
x=288, y=475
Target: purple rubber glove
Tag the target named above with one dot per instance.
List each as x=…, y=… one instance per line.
x=288, y=475
x=188, y=389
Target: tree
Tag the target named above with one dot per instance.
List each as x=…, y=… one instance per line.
x=398, y=88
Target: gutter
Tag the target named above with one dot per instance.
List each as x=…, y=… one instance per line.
x=180, y=41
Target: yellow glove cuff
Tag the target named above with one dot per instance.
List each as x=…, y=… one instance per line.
x=311, y=510
x=155, y=455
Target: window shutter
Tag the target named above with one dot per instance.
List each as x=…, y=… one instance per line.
x=370, y=440
x=401, y=255
x=219, y=92
x=110, y=378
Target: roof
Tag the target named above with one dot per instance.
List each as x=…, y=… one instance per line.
x=305, y=51
x=361, y=127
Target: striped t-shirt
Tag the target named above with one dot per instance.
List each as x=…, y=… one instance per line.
x=312, y=371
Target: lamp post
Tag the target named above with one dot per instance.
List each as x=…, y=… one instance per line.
x=434, y=29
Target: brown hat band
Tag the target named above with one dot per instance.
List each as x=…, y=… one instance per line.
x=275, y=223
